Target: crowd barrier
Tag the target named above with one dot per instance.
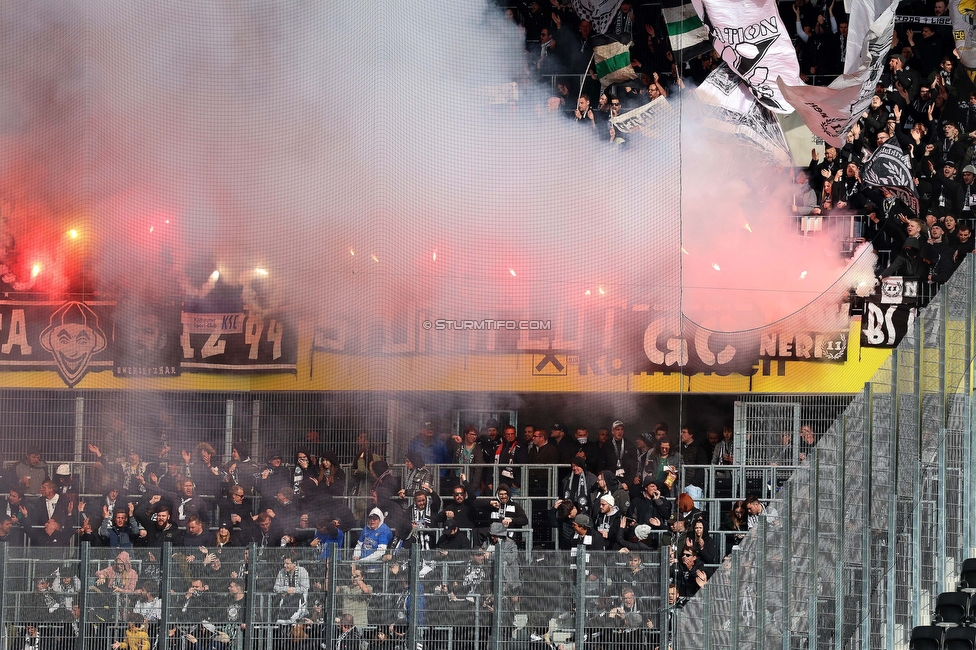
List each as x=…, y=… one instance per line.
x=266, y=598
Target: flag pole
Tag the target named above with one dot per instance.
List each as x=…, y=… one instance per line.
x=582, y=80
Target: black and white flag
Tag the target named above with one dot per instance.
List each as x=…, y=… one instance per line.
x=888, y=168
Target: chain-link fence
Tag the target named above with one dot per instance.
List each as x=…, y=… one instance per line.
x=874, y=524
x=450, y=597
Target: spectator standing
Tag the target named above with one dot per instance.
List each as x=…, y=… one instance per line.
x=30, y=472
x=426, y=447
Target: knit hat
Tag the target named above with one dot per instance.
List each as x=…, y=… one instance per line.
x=608, y=499
x=642, y=532
x=497, y=529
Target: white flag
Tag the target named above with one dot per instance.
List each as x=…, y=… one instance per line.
x=598, y=12
x=863, y=14
x=641, y=118
x=750, y=38
x=733, y=109
x=964, y=31
x=831, y=111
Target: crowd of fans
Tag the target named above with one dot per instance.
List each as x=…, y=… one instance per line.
x=484, y=494
x=925, y=102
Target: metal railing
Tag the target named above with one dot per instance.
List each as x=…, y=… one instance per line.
x=876, y=522
x=271, y=597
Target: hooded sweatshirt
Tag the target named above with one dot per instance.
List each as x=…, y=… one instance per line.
x=372, y=543
x=125, y=580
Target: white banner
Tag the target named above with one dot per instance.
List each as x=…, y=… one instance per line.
x=831, y=111
x=863, y=15
x=733, y=109
x=640, y=118
x=751, y=40
x=598, y=12
x=963, y=30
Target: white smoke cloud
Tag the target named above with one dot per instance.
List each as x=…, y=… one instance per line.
x=338, y=145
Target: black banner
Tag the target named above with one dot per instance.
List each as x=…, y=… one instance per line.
x=74, y=338
x=238, y=342
x=69, y=337
x=885, y=324
x=147, y=341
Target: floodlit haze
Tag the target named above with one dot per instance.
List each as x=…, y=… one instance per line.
x=350, y=151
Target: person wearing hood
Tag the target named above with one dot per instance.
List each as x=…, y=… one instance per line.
x=577, y=487
x=418, y=479
x=607, y=483
x=332, y=478
x=374, y=540
x=239, y=470
x=420, y=515
x=704, y=544
x=119, y=577
x=384, y=483
x=607, y=522
x=503, y=510
x=273, y=476
x=908, y=263
x=302, y=469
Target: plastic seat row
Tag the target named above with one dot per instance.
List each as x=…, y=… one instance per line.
x=935, y=637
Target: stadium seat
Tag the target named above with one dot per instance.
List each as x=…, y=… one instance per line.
x=927, y=637
x=967, y=576
x=951, y=609
x=960, y=638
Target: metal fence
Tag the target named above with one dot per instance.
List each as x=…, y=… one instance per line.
x=454, y=599
x=874, y=524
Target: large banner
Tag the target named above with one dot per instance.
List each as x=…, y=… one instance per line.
x=751, y=40
x=74, y=338
x=237, y=342
x=614, y=340
x=963, y=30
x=831, y=111
x=734, y=110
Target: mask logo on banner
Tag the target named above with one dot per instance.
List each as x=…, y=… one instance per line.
x=73, y=337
